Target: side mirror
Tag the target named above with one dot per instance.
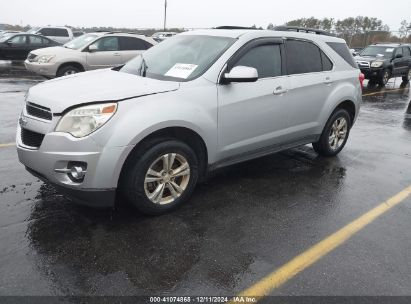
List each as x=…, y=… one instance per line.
x=241, y=74
x=93, y=48
x=398, y=56
x=9, y=42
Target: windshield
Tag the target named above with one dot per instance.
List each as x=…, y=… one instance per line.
x=81, y=41
x=33, y=30
x=5, y=36
x=374, y=51
x=180, y=58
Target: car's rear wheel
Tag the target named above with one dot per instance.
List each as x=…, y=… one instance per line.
x=407, y=77
x=335, y=134
x=67, y=70
x=385, y=76
x=161, y=178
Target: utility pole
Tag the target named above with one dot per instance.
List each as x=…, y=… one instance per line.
x=165, y=14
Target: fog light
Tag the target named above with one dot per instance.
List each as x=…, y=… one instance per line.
x=77, y=172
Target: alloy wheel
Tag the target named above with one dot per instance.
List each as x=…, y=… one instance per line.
x=167, y=178
x=338, y=133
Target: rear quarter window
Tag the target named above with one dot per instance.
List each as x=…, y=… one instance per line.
x=342, y=50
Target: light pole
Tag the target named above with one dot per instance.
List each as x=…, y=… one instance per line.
x=165, y=14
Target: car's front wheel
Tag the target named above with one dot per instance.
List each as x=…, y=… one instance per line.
x=161, y=178
x=67, y=70
x=335, y=134
x=385, y=77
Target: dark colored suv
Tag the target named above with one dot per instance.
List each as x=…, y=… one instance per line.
x=380, y=62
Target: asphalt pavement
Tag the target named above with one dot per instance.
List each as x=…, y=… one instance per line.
x=242, y=224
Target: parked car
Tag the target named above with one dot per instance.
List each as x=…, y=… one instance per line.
x=18, y=46
x=160, y=36
x=78, y=34
x=196, y=102
x=58, y=33
x=380, y=62
x=87, y=52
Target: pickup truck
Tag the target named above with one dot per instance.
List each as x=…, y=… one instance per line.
x=60, y=34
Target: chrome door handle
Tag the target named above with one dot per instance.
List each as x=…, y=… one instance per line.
x=328, y=80
x=279, y=91
x=116, y=54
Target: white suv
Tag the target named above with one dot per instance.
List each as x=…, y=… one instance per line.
x=60, y=34
x=87, y=52
x=196, y=102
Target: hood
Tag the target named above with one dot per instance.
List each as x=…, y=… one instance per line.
x=101, y=85
x=369, y=58
x=54, y=50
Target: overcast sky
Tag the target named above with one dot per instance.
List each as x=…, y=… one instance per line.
x=194, y=13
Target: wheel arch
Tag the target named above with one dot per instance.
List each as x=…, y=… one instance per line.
x=349, y=106
x=186, y=135
x=71, y=63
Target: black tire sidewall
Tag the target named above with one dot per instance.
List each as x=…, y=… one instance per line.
x=62, y=70
x=137, y=195
x=323, y=145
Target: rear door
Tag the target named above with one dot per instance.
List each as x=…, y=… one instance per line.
x=130, y=47
x=311, y=82
x=106, y=55
x=252, y=116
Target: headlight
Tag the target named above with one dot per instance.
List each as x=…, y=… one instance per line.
x=44, y=58
x=376, y=64
x=82, y=121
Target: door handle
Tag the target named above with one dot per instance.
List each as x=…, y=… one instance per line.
x=279, y=91
x=116, y=54
x=328, y=80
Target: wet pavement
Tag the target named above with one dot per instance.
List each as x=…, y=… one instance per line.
x=239, y=226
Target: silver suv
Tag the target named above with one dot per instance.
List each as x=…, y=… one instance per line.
x=201, y=100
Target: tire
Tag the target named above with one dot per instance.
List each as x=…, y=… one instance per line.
x=67, y=70
x=407, y=77
x=385, y=76
x=137, y=190
x=324, y=147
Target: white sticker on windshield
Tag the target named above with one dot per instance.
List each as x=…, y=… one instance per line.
x=181, y=70
x=389, y=50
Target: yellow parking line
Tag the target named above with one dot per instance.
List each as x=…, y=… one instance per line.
x=309, y=257
x=7, y=145
x=385, y=91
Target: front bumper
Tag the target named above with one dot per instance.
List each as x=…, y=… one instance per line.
x=370, y=73
x=44, y=69
x=57, y=150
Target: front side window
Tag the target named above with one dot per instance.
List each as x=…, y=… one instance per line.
x=107, y=44
x=302, y=57
x=20, y=39
x=180, y=58
x=398, y=51
x=266, y=59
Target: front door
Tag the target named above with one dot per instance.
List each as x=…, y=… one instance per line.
x=252, y=116
x=106, y=53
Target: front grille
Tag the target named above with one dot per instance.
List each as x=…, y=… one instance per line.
x=31, y=57
x=38, y=111
x=363, y=64
x=31, y=139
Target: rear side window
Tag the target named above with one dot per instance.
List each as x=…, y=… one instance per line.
x=130, y=43
x=265, y=58
x=35, y=40
x=55, y=32
x=302, y=57
x=327, y=64
x=406, y=51
x=342, y=50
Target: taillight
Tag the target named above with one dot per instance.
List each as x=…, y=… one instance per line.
x=361, y=78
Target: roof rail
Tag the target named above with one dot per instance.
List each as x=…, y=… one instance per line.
x=389, y=42
x=302, y=29
x=233, y=27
